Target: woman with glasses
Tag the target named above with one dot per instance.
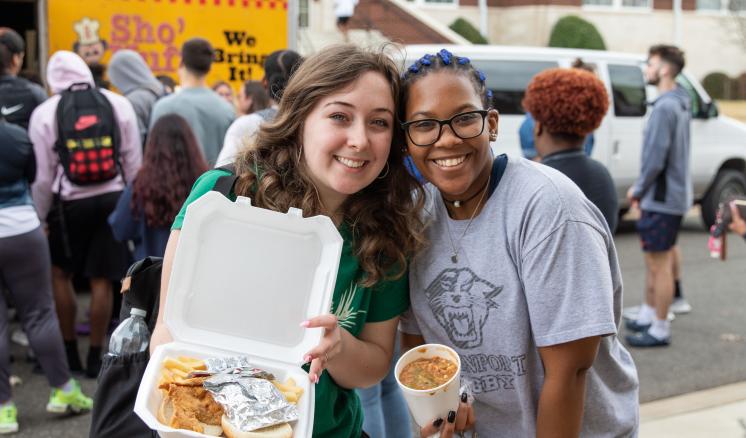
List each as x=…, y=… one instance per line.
x=520, y=277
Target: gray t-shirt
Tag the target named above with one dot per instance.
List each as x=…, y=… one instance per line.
x=208, y=114
x=537, y=267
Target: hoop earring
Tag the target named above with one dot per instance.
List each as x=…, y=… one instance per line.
x=386, y=173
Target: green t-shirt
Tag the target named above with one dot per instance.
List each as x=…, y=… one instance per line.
x=338, y=411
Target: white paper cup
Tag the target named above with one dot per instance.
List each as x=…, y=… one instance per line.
x=428, y=404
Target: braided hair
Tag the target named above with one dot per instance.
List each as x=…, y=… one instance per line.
x=444, y=61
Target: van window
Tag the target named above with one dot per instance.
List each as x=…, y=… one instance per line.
x=508, y=81
x=696, y=99
x=628, y=89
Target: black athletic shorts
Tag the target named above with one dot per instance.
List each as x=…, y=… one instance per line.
x=343, y=20
x=81, y=241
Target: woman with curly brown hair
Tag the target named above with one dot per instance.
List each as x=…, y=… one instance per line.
x=520, y=276
x=568, y=105
x=331, y=151
x=146, y=208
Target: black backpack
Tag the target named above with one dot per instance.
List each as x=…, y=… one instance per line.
x=17, y=101
x=88, y=138
x=120, y=376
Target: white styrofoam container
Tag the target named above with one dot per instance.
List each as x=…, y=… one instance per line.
x=242, y=281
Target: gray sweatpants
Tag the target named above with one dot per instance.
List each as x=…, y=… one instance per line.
x=26, y=270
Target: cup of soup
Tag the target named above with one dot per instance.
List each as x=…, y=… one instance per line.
x=429, y=377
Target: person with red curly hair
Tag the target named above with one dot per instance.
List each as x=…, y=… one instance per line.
x=526, y=130
x=567, y=105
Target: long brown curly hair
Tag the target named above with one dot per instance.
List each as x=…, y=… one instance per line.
x=567, y=101
x=171, y=163
x=384, y=217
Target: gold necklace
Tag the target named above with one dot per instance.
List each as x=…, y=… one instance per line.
x=455, y=251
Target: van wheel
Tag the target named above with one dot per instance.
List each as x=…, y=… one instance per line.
x=729, y=183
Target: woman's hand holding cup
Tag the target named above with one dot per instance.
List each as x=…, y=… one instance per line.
x=455, y=423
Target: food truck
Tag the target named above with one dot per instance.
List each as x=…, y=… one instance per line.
x=243, y=32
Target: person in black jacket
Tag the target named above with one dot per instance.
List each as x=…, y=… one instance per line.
x=25, y=267
x=567, y=105
x=18, y=96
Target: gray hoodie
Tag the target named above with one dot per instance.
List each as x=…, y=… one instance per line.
x=129, y=73
x=665, y=181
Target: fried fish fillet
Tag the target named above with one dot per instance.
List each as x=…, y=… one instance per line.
x=193, y=406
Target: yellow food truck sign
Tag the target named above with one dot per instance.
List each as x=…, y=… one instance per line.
x=243, y=32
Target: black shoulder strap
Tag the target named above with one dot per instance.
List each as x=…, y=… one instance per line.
x=498, y=169
x=225, y=183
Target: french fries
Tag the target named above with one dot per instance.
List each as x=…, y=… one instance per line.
x=290, y=390
x=178, y=370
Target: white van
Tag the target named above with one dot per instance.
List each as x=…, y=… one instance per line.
x=718, y=157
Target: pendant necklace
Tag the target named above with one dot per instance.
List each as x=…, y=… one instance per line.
x=454, y=246
x=459, y=202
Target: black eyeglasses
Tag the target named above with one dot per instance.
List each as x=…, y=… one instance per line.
x=427, y=132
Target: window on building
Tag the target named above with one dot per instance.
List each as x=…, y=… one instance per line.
x=709, y=5
x=508, y=81
x=737, y=6
x=636, y=3
x=628, y=90
x=433, y=2
x=723, y=6
x=619, y=3
x=303, y=13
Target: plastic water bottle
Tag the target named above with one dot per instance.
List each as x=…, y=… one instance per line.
x=131, y=336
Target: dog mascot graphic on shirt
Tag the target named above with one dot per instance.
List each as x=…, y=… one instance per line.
x=461, y=303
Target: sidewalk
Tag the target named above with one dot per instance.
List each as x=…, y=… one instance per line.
x=716, y=413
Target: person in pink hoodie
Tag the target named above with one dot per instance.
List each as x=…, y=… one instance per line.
x=79, y=236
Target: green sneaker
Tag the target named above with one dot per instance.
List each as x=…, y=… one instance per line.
x=61, y=402
x=8, y=419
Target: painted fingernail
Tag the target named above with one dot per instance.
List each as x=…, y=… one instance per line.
x=316, y=378
x=307, y=358
x=451, y=416
x=464, y=397
x=438, y=422
x=305, y=324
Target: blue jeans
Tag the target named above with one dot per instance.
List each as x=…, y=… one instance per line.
x=385, y=411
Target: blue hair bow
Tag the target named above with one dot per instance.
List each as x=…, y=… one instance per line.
x=445, y=55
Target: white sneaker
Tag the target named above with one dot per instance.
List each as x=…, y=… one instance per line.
x=632, y=312
x=680, y=306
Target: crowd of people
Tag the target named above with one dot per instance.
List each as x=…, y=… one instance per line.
x=432, y=221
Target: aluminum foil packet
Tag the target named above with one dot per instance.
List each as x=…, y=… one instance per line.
x=240, y=365
x=250, y=403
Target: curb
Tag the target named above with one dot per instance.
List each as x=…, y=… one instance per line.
x=692, y=402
